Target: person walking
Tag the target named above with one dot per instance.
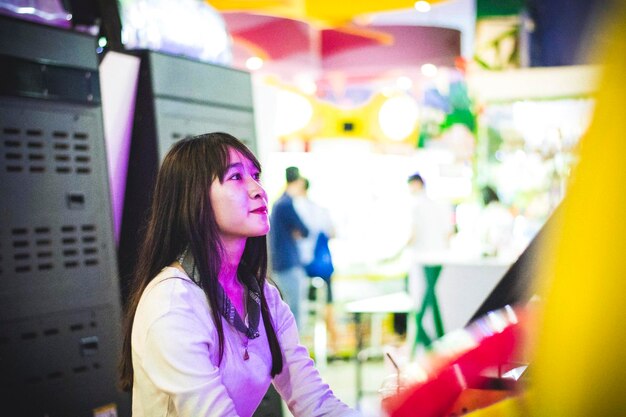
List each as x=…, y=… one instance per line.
x=315, y=252
x=287, y=230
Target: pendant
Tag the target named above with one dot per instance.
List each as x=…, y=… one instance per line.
x=245, y=354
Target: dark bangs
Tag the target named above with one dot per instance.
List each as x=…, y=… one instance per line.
x=223, y=142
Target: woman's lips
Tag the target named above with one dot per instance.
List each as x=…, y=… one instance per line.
x=260, y=210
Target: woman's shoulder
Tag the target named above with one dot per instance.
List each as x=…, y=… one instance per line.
x=169, y=291
x=274, y=298
x=271, y=292
x=171, y=279
x=281, y=313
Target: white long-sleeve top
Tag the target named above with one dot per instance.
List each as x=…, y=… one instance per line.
x=175, y=359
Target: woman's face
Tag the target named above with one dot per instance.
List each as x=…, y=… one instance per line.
x=239, y=201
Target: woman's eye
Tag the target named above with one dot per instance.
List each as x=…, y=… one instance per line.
x=257, y=176
x=236, y=176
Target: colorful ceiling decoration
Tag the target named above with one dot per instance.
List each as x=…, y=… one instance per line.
x=354, y=52
x=412, y=46
x=389, y=120
x=330, y=41
x=269, y=37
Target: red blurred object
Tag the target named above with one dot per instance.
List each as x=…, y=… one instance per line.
x=275, y=37
x=439, y=395
x=461, y=64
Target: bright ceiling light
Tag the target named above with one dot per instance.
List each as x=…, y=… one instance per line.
x=422, y=6
x=306, y=84
x=398, y=116
x=254, y=63
x=429, y=70
x=404, y=83
x=296, y=112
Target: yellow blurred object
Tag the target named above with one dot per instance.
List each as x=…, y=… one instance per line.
x=478, y=399
x=331, y=121
x=510, y=407
x=580, y=369
x=334, y=121
x=323, y=12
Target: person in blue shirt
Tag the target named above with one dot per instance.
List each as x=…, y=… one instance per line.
x=287, y=227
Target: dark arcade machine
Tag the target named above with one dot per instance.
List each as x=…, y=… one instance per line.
x=59, y=289
x=59, y=280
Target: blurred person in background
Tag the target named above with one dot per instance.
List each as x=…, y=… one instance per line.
x=431, y=221
x=431, y=227
x=495, y=225
x=287, y=230
x=315, y=253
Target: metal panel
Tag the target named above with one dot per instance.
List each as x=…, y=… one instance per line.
x=59, y=295
x=60, y=363
x=176, y=120
x=32, y=41
x=56, y=237
x=197, y=81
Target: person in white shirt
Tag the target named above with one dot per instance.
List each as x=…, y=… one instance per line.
x=495, y=225
x=205, y=333
x=317, y=219
x=431, y=221
x=430, y=230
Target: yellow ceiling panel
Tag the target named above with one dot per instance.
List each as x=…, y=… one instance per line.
x=329, y=12
x=344, y=11
x=294, y=9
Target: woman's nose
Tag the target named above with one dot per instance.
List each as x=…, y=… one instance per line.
x=255, y=189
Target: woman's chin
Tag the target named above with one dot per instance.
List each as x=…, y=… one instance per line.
x=262, y=231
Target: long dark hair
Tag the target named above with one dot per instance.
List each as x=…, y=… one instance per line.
x=181, y=217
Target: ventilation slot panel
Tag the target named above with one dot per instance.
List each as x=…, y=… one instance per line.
x=23, y=151
x=79, y=246
x=32, y=249
x=35, y=150
x=74, y=340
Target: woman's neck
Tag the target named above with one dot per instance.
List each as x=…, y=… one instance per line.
x=228, y=275
x=231, y=256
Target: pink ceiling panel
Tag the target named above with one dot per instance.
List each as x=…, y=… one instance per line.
x=412, y=46
x=334, y=41
x=278, y=37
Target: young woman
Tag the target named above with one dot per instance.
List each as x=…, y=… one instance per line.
x=205, y=333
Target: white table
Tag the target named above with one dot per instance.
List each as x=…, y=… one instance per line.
x=400, y=302
x=463, y=284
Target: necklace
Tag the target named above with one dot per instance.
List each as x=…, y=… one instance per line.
x=245, y=350
x=245, y=339
x=244, y=342
x=243, y=336
x=250, y=328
